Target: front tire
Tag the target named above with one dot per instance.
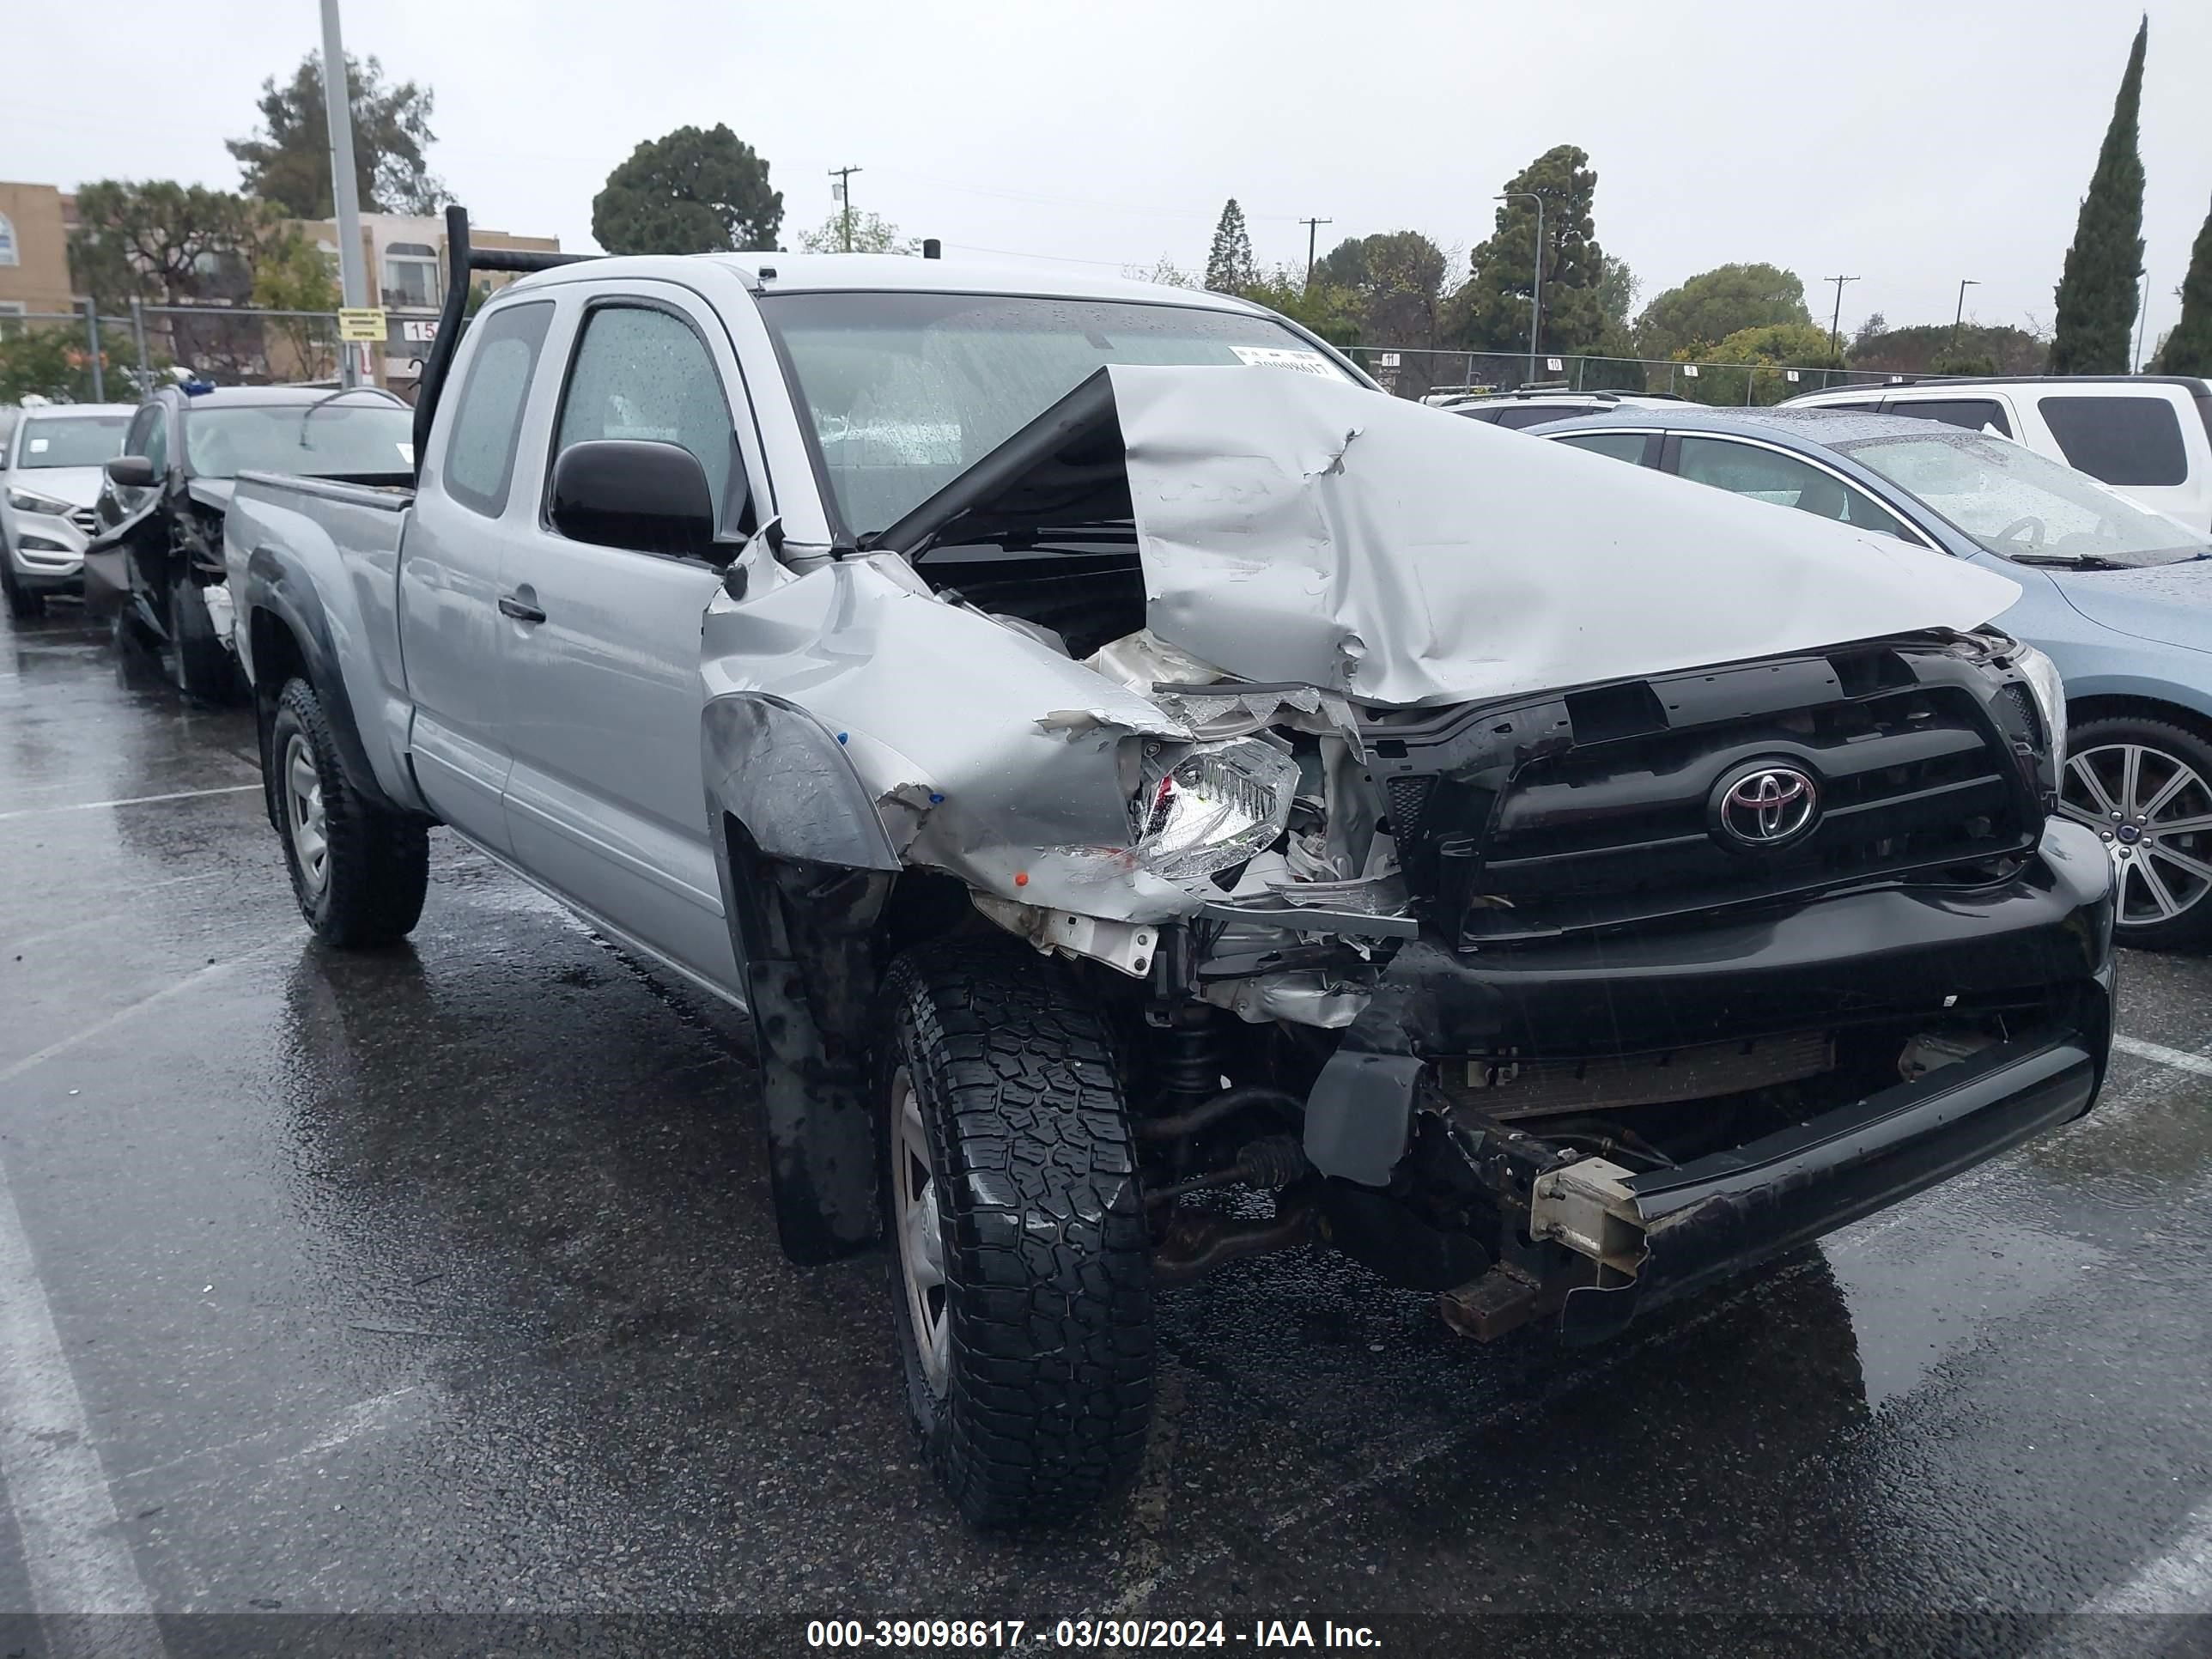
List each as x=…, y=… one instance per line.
x=2146, y=787
x=360, y=872
x=1021, y=1262
x=23, y=605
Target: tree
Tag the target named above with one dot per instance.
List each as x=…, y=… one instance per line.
x=293, y=275
x=1714, y=304
x=1490, y=311
x=1325, y=308
x=1771, y=348
x=872, y=234
x=1163, y=270
x=167, y=244
x=693, y=191
x=2187, y=349
x=2098, y=291
x=287, y=161
x=1617, y=289
x=52, y=361
x=1393, y=281
x=1928, y=348
x=1229, y=267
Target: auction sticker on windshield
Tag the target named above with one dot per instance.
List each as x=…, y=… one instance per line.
x=1306, y=363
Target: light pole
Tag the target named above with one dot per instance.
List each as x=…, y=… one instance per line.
x=1313, y=226
x=345, y=191
x=1958, y=316
x=1536, y=292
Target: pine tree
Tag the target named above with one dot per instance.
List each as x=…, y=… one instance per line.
x=2189, y=348
x=1229, y=263
x=2097, y=293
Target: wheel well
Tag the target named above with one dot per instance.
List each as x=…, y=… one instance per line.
x=2140, y=708
x=277, y=656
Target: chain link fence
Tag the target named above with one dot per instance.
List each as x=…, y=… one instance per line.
x=81, y=355
x=1419, y=372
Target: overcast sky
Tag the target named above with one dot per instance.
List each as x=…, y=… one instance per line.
x=1909, y=142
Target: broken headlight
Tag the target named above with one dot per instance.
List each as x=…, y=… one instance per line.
x=1213, y=809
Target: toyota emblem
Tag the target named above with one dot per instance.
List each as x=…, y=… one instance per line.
x=1766, y=805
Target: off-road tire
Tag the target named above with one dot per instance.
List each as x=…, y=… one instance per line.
x=1046, y=1256
x=23, y=605
x=200, y=664
x=2192, y=928
x=378, y=862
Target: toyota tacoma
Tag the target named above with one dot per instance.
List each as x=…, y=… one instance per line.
x=1162, y=800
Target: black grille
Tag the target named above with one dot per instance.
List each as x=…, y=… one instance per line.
x=1920, y=781
x=86, y=519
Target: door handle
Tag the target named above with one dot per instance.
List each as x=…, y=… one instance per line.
x=511, y=606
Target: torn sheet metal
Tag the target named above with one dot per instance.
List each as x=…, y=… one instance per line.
x=1294, y=529
x=954, y=728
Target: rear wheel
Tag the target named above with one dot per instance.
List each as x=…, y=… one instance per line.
x=1021, y=1265
x=360, y=872
x=2145, y=785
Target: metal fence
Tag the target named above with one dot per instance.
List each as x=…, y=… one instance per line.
x=1417, y=371
x=123, y=357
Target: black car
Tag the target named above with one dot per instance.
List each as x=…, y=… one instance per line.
x=157, y=565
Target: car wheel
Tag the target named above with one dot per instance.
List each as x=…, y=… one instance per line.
x=360, y=872
x=1021, y=1263
x=22, y=604
x=2146, y=787
x=200, y=664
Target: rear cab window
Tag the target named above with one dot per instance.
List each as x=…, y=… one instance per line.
x=2119, y=441
x=1969, y=414
x=487, y=418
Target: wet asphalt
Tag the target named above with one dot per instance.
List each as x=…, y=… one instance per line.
x=442, y=1282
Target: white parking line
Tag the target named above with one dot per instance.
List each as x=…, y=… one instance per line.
x=73, y=1547
x=2179, y=1581
x=2180, y=1060
x=213, y=970
x=128, y=800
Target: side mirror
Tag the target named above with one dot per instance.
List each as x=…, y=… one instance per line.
x=646, y=497
x=132, y=471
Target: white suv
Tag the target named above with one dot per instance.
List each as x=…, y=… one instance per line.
x=2149, y=436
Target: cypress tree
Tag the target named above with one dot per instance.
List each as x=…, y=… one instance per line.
x=2189, y=348
x=2097, y=293
x=1229, y=262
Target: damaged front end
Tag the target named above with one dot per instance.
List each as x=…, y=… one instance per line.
x=1437, y=884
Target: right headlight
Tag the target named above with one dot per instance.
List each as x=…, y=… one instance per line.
x=1214, y=809
x=2043, y=679
x=29, y=501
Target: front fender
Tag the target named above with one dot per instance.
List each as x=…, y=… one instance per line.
x=784, y=774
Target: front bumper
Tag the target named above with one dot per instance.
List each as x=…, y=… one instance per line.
x=2039, y=945
x=45, y=554
x=1722, y=1214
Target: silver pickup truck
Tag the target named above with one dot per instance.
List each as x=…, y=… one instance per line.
x=1161, y=800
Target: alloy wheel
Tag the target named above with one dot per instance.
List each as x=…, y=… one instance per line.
x=2155, y=813
x=920, y=1235
x=304, y=816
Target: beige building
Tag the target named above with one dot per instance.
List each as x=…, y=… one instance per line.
x=34, y=274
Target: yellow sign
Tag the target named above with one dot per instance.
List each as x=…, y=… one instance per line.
x=364, y=324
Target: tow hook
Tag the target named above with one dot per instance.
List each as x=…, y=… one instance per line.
x=1587, y=1206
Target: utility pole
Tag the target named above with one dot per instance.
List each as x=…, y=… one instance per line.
x=844, y=178
x=1835, y=323
x=1312, y=226
x=2143, y=320
x=1958, y=316
x=1536, y=292
x=346, y=192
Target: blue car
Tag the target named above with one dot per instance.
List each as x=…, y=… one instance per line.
x=2120, y=598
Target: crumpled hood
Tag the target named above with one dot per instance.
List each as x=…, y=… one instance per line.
x=2171, y=604
x=1298, y=529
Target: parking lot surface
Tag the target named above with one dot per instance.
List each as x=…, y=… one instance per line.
x=443, y=1281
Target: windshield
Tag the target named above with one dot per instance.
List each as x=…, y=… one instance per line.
x=908, y=391
x=2018, y=504
x=81, y=440
x=315, y=441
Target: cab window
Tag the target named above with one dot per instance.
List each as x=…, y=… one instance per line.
x=1767, y=475
x=487, y=420
x=643, y=373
